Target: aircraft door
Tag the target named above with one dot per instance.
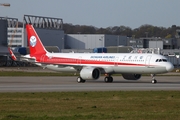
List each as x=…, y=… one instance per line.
x=147, y=62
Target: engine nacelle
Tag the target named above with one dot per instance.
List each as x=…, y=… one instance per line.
x=131, y=76
x=90, y=73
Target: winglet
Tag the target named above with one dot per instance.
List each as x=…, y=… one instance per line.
x=12, y=54
x=34, y=42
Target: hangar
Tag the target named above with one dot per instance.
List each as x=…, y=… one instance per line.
x=91, y=41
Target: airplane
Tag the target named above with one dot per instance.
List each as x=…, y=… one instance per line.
x=91, y=65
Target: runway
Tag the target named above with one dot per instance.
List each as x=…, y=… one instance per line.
x=63, y=84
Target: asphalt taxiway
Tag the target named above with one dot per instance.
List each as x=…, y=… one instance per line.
x=59, y=84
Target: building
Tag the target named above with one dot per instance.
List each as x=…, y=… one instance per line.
x=153, y=42
x=5, y=23
x=15, y=37
x=91, y=41
x=50, y=30
x=3, y=32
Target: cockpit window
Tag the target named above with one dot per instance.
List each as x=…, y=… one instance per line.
x=161, y=60
x=164, y=60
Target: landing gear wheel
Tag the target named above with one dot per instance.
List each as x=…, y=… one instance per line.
x=83, y=81
x=80, y=80
x=108, y=79
x=111, y=79
x=154, y=81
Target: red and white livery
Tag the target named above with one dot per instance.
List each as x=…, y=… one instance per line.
x=92, y=65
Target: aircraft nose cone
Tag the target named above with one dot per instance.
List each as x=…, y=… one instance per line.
x=169, y=67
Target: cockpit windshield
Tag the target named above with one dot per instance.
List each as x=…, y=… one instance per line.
x=161, y=60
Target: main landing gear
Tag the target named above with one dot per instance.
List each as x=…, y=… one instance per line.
x=108, y=79
x=80, y=80
x=153, y=79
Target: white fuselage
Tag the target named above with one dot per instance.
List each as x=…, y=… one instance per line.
x=109, y=62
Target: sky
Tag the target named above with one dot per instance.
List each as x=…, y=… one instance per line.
x=99, y=13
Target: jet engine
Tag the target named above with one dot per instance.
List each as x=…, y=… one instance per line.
x=90, y=73
x=131, y=76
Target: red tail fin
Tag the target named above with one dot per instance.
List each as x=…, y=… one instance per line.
x=35, y=44
x=12, y=54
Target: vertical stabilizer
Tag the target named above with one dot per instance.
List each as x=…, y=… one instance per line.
x=34, y=42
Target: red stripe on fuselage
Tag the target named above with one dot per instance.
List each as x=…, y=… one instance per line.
x=74, y=61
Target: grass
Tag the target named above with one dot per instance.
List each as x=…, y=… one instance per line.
x=113, y=105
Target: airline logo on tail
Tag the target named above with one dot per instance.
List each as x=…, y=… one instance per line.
x=33, y=41
x=35, y=45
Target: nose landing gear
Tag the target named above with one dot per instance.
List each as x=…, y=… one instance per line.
x=153, y=79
